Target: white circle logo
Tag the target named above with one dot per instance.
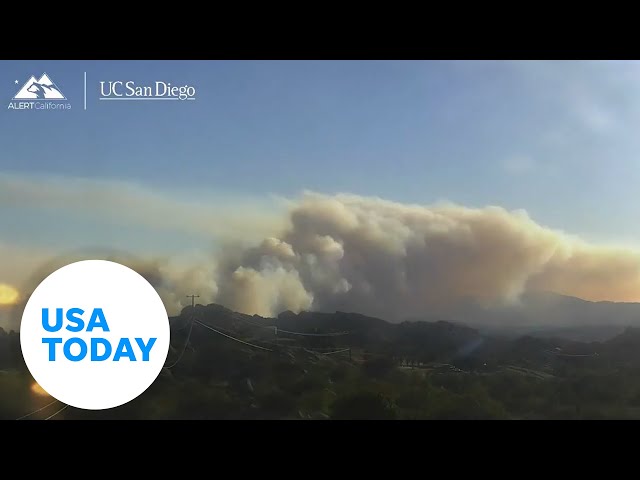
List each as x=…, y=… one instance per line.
x=95, y=334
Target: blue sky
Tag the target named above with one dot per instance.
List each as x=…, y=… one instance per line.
x=558, y=139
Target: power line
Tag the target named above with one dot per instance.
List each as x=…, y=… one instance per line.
x=326, y=353
x=59, y=411
x=232, y=338
x=184, y=348
x=275, y=328
x=334, y=334
x=238, y=317
x=182, y=327
x=331, y=334
x=571, y=355
x=231, y=334
x=36, y=411
x=317, y=350
x=336, y=351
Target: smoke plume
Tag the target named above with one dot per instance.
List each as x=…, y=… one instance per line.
x=392, y=260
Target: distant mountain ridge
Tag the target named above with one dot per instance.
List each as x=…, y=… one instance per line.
x=546, y=314
x=540, y=314
x=419, y=341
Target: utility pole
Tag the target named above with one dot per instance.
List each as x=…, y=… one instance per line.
x=193, y=299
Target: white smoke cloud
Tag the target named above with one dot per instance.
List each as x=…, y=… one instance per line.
x=346, y=252
x=394, y=260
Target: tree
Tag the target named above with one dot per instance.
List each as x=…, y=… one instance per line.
x=363, y=406
x=379, y=366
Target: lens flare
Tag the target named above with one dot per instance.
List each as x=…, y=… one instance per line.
x=38, y=390
x=8, y=295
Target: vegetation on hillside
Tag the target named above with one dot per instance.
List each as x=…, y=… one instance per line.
x=414, y=370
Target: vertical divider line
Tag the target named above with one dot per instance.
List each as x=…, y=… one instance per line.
x=85, y=90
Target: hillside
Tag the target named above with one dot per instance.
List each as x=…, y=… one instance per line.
x=226, y=365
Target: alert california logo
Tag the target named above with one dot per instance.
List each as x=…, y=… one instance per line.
x=39, y=94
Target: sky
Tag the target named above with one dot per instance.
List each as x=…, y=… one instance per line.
x=557, y=139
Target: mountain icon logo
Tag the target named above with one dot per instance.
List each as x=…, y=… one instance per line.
x=41, y=89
